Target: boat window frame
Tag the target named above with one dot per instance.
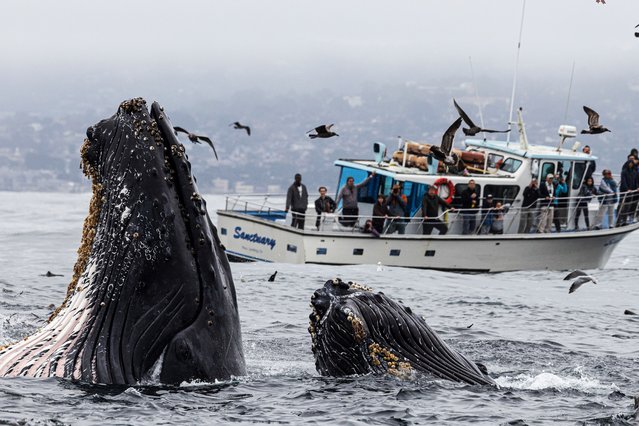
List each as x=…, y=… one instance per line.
x=543, y=173
x=576, y=183
x=516, y=165
x=459, y=188
x=491, y=163
x=499, y=195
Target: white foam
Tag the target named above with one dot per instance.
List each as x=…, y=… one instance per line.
x=545, y=380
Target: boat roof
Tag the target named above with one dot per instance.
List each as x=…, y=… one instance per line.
x=533, y=151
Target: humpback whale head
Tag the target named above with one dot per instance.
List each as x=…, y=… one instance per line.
x=152, y=293
x=356, y=331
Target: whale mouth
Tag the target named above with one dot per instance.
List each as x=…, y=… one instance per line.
x=152, y=281
x=355, y=331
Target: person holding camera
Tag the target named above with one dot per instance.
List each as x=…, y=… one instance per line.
x=396, y=203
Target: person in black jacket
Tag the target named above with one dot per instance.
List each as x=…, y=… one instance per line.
x=627, y=189
x=297, y=202
x=469, y=203
x=324, y=204
x=529, y=207
x=430, y=211
x=380, y=213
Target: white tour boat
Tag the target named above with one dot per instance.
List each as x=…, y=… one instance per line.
x=256, y=228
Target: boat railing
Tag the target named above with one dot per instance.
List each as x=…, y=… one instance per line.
x=625, y=206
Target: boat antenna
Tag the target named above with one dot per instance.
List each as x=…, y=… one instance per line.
x=512, y=96
x=472, y=73
x=572, y=74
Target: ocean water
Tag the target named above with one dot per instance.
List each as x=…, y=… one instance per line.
x=558, y=358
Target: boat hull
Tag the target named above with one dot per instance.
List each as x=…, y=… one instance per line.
x=251, y=238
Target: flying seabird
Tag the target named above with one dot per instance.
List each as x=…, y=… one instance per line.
x=238, y=125
x=272, y=277
x=323, y=131
x=473, y=128
x=444, y=152
x=582, y=278
x=593, y=123
x=196, y=138
x=601, y=1
x=637, y=32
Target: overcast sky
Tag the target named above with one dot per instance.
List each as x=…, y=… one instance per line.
x=301, y=43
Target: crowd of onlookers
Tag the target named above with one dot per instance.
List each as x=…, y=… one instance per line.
x=544, y=205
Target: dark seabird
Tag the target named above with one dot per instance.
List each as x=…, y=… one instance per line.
x=601, y=1
x=323, y=131
x=196, y=138
x=637, y=32
x=444, y=152
x=473, y=128
x=593, y=123
x=238, y=125
x=272, y=277
x=51, y=274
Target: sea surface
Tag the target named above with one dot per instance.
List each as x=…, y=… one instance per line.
x=558, y=358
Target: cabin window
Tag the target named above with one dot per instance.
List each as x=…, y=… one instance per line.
x=291, y=248
x=395, y=252
x=494, y=161
x=459, y=188
x=545, y=169
x=358, y=251
x=511, y=165
x=429, y=253
x=578, y=175
x=223, y=231
x=564, y=168
x=503, y=193
x=320, y=251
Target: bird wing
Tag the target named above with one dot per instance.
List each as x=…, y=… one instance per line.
x=437, y=153
x=210, y=142
x=248, y=130
x=322, y=129
x=180, y=129
x=329, y=127
x=463, y=115
x=574, y=274
x=447, y=139
x=593, y=117
x=579, y=282
x=495, y=131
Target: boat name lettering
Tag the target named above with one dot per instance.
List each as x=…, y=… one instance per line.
x=253, y=238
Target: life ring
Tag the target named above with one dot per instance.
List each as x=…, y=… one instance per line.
x=451, y=188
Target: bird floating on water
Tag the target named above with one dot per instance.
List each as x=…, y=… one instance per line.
x=51, y=274
x=272, y=277
x=238, y=125
x=444, y=152
x=196, y=138
x=581, y=279
x=594, y=127
x=473, y=129
x=323, y=131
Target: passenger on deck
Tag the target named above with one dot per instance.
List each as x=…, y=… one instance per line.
x=561, y=203
x=396, y=204
x=609, y=195
x=430, y=212
x=487, y=214
x=297, y=201
x=469, y=203
x=585, y=195
x=348, y=196
x=628, y=186
x=380, y=213
x=547, y=208
x=324, y=204
x=370, y=229
x=592, y=165
x=529, y=208
x=498, y=213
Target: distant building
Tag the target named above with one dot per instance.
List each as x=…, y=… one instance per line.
x=220, y=185
x=243, y=188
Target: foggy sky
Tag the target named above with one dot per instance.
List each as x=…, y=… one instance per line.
x=157, y=49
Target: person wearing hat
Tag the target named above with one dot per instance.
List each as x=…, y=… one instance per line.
x=487, y=215
x=546, y=194
x=396, y=203
x=609, y=189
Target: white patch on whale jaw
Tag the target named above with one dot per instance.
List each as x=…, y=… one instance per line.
x=152, y=376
